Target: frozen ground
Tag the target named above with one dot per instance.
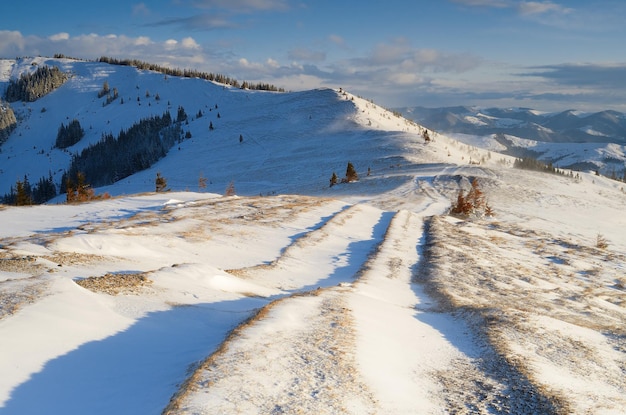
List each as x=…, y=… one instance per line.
x=292, y=304
x=361, y=298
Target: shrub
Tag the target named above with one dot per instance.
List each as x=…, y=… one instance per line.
x=160, y=183
x=472, y=203
x=82, y=191
x=230, y=189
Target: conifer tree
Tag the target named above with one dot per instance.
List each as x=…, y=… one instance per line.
x=230, y=189
x=202, y=182
x=181, y=115
x=351, y=174
x=22, y=193
x=333, y=179
x=160, y=183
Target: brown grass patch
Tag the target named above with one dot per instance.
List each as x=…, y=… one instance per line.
x=116, y=284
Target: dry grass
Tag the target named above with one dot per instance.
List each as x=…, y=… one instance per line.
x=116, y=284
x=73, y=258
x=10, y=262
x=190, y=384
x=508, y=286
x=316, y=362
x=17, y=293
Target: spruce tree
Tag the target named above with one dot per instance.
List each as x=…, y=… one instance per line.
x=333, y=179
x=22, y=193
x=160, y=183
x=351, y=174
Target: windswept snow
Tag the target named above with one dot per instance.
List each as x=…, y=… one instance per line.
x=297, y=297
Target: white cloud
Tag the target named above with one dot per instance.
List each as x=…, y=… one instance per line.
x=528, y=8
x=142, y=41
x=190, y=43
x=59, y=36
x=303, y=54
x=524, y=8
x=483, y=3
x=11, y=43
x=243, y=5
x=401, y=55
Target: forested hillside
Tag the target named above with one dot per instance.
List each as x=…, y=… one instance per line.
x=7, y=121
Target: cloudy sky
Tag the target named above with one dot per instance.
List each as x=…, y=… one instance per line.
x=547, y=55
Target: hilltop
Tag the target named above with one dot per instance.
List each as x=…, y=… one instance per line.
x=255, y=140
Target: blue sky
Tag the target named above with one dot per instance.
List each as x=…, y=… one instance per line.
x=547, y=55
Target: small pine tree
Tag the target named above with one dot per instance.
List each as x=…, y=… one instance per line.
x=82, y=191
x=230, y=189
x=351, y=174
x=601, y=242
x=22, y=196
x=201, y=182
x=160, y=183
x=426, y=136
x=475, y=196
x=181, y=115
x=105, y=89
x=333, y=179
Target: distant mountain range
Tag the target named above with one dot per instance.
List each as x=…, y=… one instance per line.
x=568, y=126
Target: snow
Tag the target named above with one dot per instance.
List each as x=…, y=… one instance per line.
x=296, y=297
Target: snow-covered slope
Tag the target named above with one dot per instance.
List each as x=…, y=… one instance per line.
x=361, y=298
x=277, y=129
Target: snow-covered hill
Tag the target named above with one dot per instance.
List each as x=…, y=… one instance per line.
x=297, y=297
x=276, y=130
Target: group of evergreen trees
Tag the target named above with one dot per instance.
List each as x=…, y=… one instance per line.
x=25, y=194
x=351, y=175
x=69, y=135
x=190, y=73
x=8, y=122
x=133, y=150
x=106, y=91
x=530, y=163
x=32, y=86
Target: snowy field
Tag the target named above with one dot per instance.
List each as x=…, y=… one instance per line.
x=362, y=298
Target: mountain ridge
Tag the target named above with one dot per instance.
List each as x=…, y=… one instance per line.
x=250, y=138
x=606, y=126
x=247, y=136
x=569, y=139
